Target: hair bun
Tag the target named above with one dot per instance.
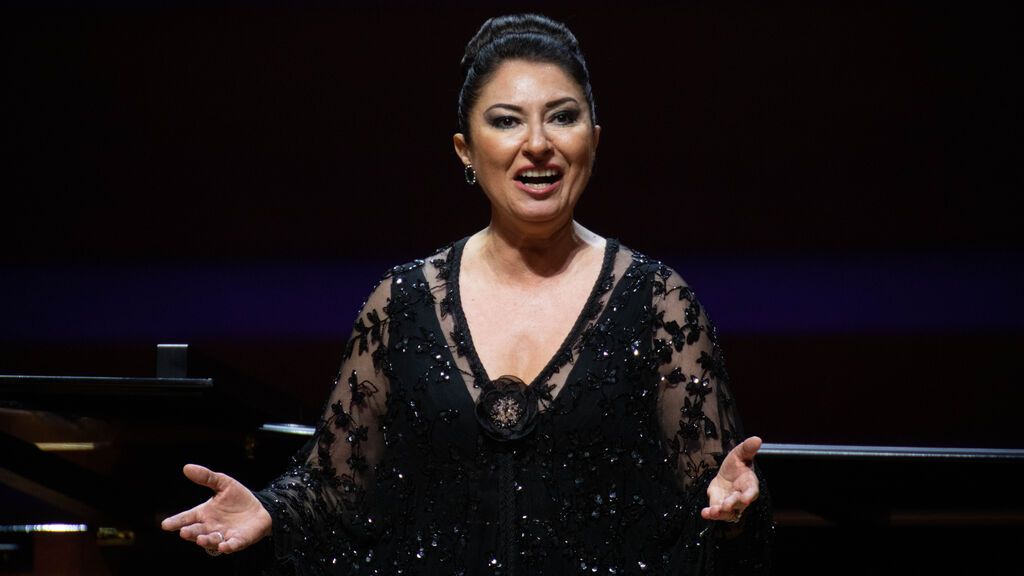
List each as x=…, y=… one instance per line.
x=529, y=37
x=500, y=27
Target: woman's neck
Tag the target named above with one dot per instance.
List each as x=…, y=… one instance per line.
x=518, y=255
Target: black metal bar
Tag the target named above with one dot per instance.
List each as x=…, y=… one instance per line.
x=42, y=386
x=887, y=452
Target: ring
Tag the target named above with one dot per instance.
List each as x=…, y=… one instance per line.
x=736, y=520
x=214, y=551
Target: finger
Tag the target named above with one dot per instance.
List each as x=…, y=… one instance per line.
x=715, y=513
x=205, y=477
x=740, y=458
x=719, y=514
x=185, y=518
x=710, y=513
x=748, y=449
x=233, y=544
x=193, y=531
x=210, y=540
x=729, y=503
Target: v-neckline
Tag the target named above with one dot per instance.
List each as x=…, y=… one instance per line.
x=461, y=324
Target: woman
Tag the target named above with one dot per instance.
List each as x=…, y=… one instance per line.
x=610, y=446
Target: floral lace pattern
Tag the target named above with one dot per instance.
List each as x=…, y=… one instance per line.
x=423, y=465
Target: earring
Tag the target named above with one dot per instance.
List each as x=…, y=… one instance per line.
x=470, y=175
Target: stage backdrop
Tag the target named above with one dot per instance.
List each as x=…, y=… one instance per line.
x=831, y=178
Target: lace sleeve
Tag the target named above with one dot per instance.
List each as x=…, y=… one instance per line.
x=701, y=425
x=319, y=506
x=697, y=413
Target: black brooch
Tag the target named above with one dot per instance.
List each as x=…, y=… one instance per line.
x=507, y=409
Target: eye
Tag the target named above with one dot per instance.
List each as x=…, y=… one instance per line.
x=565, y=117
x=504, y=122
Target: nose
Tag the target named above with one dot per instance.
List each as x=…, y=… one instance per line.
x=537, y=144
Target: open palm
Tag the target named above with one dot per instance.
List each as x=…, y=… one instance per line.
x=736, y=486
x=231, y=520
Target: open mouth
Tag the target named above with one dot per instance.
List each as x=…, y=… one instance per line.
x=539, y=179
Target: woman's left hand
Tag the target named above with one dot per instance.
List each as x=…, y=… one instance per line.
x=736, y=486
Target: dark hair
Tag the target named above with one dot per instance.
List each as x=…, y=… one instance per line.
x=529, y=37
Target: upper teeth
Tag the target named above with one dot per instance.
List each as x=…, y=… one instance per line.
x=539, y=173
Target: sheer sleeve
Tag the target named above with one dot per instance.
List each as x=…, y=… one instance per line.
x=320, y=505
x=697, y=414
x=700, y=425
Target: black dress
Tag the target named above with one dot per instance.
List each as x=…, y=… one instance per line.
x=422, y=464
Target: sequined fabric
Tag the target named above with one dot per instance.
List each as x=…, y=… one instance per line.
x=633, y=416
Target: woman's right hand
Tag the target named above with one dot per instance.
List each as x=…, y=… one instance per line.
x=232, y=520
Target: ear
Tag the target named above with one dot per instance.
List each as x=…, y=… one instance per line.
x=462, y=148
x=597, y=136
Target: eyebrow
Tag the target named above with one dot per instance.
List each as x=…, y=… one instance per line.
x=548, y=106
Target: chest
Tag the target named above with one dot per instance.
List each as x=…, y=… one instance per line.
x=517, y=331
x=595, y=362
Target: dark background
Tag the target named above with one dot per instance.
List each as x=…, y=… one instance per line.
x=835, y=179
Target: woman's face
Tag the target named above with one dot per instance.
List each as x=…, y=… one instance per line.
x=532, y=142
